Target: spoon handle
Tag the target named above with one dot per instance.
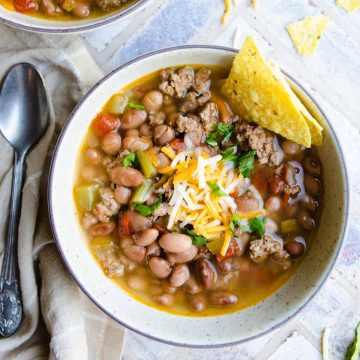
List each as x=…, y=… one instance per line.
x=10, y=297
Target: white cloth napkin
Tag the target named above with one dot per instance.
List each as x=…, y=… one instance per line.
x=59, y=322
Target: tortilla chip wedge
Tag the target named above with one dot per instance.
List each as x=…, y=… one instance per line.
x=256, y=92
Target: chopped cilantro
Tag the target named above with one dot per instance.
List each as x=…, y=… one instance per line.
x=246, y=163
x=257, y=225
x=221, y=133
x=353, y=351
x=135, y=105
x=236, y=221
x=196, y=239
x=130, y=159
x=216, y=189
x=229, y=154
x=147, y=209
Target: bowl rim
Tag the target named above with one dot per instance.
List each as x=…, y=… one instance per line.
x=339, y=245
x=103, y=21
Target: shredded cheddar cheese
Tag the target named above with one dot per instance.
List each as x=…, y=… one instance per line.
x=226, y=12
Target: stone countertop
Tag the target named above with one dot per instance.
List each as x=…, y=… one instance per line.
x=331, y=76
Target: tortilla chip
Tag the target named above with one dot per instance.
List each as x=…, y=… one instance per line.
x=349, y=5
x=314, y=127
x=306, y=33
x=254, y=4
x=257, y=94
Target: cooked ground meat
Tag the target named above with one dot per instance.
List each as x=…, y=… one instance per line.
x=202, y=81
x=107, y=5
x=260, y=249
x=209, y=115
x=157, y=118
x=190, y=103
x=292, y=190
x=110, y=261
x=189, y=123
x=107, y=207
x=108, y=163
x=282, y=258
x=255, y=137
x=204, y=98
x=177, y=83
x=88, y=220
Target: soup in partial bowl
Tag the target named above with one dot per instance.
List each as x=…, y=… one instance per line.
x=191, y=212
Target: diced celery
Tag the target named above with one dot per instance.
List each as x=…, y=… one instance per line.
x=86, y=196
x=147, y=166
x=288, y=226
x=215, y=246
x=143, y=192
x=117, y=104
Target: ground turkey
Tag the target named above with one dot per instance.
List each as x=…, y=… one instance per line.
x=209, y=116
x=188, y=123
x=177, y=83
x=107, y=207
x=260, y=249
x=107, y=5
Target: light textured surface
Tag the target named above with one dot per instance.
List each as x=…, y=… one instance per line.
x=331, y=76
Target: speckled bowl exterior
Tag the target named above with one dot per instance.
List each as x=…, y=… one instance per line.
x=184, y=330
x=38, y=25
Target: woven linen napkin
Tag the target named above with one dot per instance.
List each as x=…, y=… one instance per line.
x=59, y=322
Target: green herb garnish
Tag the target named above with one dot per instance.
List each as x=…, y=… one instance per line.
x=147, y=209
x=229, y=154
x=136, y=105
x=237, y=221
x=257, y=225
x=216, y=189
x=246, y=163
x=353, y=351
x=130, y=159
x=221, y=133
x=196, y=239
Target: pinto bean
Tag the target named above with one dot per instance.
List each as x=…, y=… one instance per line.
x=133, y=119
x=247, y=203
x=162, y=228
x=312, y=165
x=129, y=177
x=89, y=173
x=48, y=7
x=165, y=299
x=305, y=220
x=81, y=10
x=93, y=156
x=137, y=282
x=176, y=243
x=102, y=229
x=111, y=143
x=133, y=143
x=134, y=252
x=163, y=134
x=138, y=222
x=182, y=257
x=197, y=302
x=152, y=250
x=153, y=100
x=122, y=195
x=168, y=288
x=273, y=203
x=192, y=286
x=311, y=204
x=223, y=298
x=294, y=248
x=291, y=148
x=206, y=273
x=312, y=185
x=163, y=161
x=224, y=266
x=160, y=267
x=180, y=275
x=145, y=130
x=145, y=237
x=132, y=132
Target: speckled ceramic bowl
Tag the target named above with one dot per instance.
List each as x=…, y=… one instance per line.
x=35, y=24
x=174, y=329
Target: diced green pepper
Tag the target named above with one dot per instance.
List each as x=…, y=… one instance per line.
x=215, y=246
x=86, y=196
x=288, y=226
x=117, y=104
x=147, y=166
x=143, y=192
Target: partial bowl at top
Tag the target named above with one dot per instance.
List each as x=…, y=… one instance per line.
x=219, y=330
x=88, y=17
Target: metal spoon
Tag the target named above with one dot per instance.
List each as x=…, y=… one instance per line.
x=24, y=118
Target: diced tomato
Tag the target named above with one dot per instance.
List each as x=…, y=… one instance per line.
x=178, y=145
x=276, y=185
x=161, y=228
x=25, y=5
x=231, y=251
x=260, y=182
x=284, y=199
x=104, y=123
x=125, y=225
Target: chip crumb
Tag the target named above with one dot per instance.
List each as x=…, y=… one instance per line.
x=349, y=5
x=307, y=32
x=254, y=3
